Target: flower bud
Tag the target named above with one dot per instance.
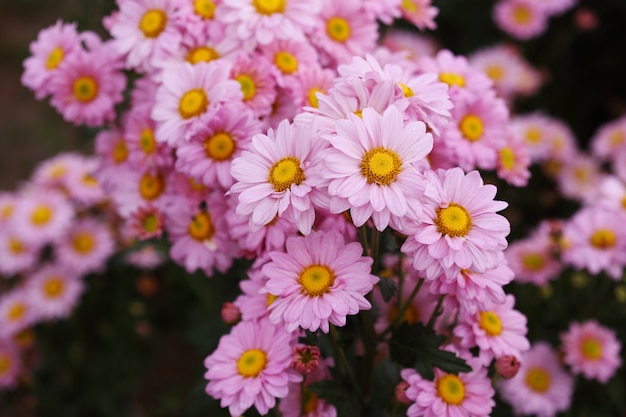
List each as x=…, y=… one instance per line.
x=507, y=366
x=305, y=358
x=400, y=392
x=230, y=313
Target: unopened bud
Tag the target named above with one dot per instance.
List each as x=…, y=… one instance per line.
x=306, y=358
x=507, y=366
x=400, y=392
x=230, y=313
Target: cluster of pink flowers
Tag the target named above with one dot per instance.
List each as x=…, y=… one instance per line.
x=527, y=19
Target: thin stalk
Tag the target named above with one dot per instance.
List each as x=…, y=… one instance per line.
x=363, y=239
x=341, y=355
x=374, y=250
x=403, y=310
x=433, y=316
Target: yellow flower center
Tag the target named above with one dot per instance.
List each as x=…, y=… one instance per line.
x=411, y=315
x=220, y=146
x=147, y=142
x=89, y=180
x=201, y=227
x=309, y=401
x=41, y=215
x=285, y=172
x=204, y=8
x=409, y=6
x=616, y=139
x=406, y=90
x=268, y=7
x=507, y=158
x=248, y=87
x=316, y=280
x=150, y=223
x=495, y=72
x=270, y=299
x=533, y=261
x=338, y=29
x=490, y=323
x=193, y=103
x=533, y=136
x=538, y=379
x=451, y=389
x=522, y=14
x=471, y=127
x=120, y=152
x=451, y=79
x=54, y=58
x=591, y=349
x=286, y=62
x=83, y=243
x=453, y=220
x=251, y=363
x=202, y=54
x=603, y=239
x=53, y=287
x=381, y=166
x=151, y=186
x=16, y=311
x=6, y=211
x=197, y=186
x=313, y=97
x=16, y=246
x=5, y=364
x=153, y=22
x=85, y=89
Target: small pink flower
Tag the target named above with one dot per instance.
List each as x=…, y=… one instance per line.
x=54, y=291
x=87, y=246
x=230, y=313
x=10, y=364
x=16, y=312
x=147, y=222
x=420, y=12
x=522, y=19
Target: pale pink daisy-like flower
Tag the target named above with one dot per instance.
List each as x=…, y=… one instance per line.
x=503, y=64
x=10, y=363
x=54, y=290
x=82, y=184
x=199, y=235
x=112, y=152
x=87, y=86
x=420, y=12
x=53, y=172
x=522, y=19
x=578, y=177
x=534, y=259
x=144, y=30
x=198, y=18
x=15, y=254
x=256, y=82
x=311, y=81
x=86, y=246
x=274, y=176
x=208, y=154
x=611, y=193
x=16, y=312
x=144, y=152
x=287, y=58
x=283, y=108
x=264, y=21
x=189, y=97
x=129, y=189
x=372, y=165
x=52, y=46
x=343, y=30
x=594, y=239
x=534, y=131
x=498, y=331
x=460, y=228
x=541, y=387
x=463, y=395
x=251, y=367
x=319, y=280
x=147, y=257
x=562, y=144
x=42, y=216
x=592, y=350
x=147, y=222
x=254, y=301
x=8, y=201
x=513, y=161
x=301, y=402
x=609, y=139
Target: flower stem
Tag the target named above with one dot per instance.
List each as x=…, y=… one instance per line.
x=398, y=319
x=436, y=311
x=341, y=356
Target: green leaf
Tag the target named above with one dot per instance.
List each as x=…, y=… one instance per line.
x=416, y=346
x=338, y=395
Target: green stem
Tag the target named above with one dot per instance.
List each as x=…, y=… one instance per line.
x=400, y=316
x=433, y=316
x=341, y=355
x=363, y=239
x=374, y=252
x=400, y=280
x=369, y=346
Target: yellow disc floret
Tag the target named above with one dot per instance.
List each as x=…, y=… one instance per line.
x=54, y=58
x=220, y=146
x=53, y=287
x=202, y=54
x=201, y=227
x=151, y=186
x=251, y=363
x=286, y=172
x=603, y=239
x=153, y=23
x=248, y=87
x=286, y=62
x=451, y=389
x=41, y=215
x=490, y=323
x=538, y=379
x=146, y=141
x=85, y=89
x=268, y=7
x=193, y=103
x=83, y=243
x=204, y=8
x=452, y=78
x=316, y=280
x=454, y=220
x=381, y=166
x=591, y=349
x=338, y=29
x=471, y=127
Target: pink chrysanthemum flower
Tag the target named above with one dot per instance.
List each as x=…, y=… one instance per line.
x=534, y=259
x=265, y=21
x=82, y=184
x=87, y=86
x=87, y=246
x=144, y=152
x=541, y=387
x=283, y=108
x=287, y=58
x=319, y=280
x=373, y=167
x=449, y=395
x=301, y=402
x=594, y=239
x=251, y=367
x=15, y=254
x=131, y=189
x=52, y=46
x=311, y=81
x=578, y=177
x=503, y=64
x=10, y=363
x=534, y=130
x=54, y=171
x=189, y=97
x=199, y=235
x=198, y=18
x=343, y=30
x=460, y=228
x=513, y=161
x=147, y=222
x=498, y=331
x=256, y=82
x=208, y=154
x=42, y=216
x=8, y=201
x=112, y=152
x=609, y=139
x=522, y=19
x=16, y=312
x=274, y=176
x=54, y=290
x=592, y=350
x=144, y=30
x=477, y=132
x=420, y=12
x=254, y=302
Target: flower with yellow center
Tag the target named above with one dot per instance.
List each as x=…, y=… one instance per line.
x=338, y=29
x=454, y=220
x=533, y=261
x=268, y=7
x=85, y=89
x=495, y=72
x=201, y=227
x=54, y=58
x=522, y=14
x=220, y=146
x=286, y=172
x=538, y=379
x=151, y=186
x=490, y=323
x=533, y=135
x=153, y=22
x=251, y=363
x=507, y=158
x=204, y=8
x=603, y=239
x=16, y=311
x=41, y=215
x=202, y=54
x=53, y=287
x=193, y=103
x=286, y=62
x=451, y=389
x=471, y=127
x=381, y=166
x=83, y=243
x=316, y=280
x=409, y=6
x=591, y=349
x=16, y=246
x=248, y=87
x=406, y=90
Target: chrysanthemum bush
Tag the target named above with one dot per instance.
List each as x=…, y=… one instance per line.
x=343, y=174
